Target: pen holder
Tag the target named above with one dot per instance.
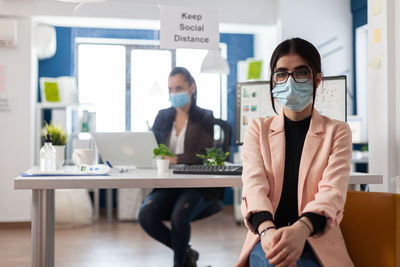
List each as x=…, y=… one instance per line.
x=162, y=165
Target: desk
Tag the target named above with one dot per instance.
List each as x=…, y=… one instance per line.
x=42, y=221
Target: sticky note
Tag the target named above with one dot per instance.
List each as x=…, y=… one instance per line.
x=376, y=8
x=377, y=35
x=254, y=70
x=51, y=92
x=375, y=62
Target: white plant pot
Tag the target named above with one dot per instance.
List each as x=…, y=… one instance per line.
x=60, y=156
x=162, y=165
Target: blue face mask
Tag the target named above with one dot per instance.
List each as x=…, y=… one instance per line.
x=179, y=100
x=293, y=95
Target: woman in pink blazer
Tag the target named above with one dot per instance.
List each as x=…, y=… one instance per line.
x=295, y=171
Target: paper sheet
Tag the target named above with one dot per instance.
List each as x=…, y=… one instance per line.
x=377, y=35
x=375, y=62
x=51, y=92
x=376, y=8
x=254, y=70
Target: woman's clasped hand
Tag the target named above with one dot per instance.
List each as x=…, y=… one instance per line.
x=283, y=246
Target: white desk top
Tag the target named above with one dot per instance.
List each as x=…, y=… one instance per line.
x=148, y=178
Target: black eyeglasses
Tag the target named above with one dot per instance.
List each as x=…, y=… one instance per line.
x=300, y=76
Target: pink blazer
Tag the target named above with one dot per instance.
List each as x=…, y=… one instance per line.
x=323, y=179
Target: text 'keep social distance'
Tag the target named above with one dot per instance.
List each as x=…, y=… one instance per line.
x=192, y=24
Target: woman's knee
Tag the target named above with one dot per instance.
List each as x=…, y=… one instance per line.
x=147, y=213
x=257, y=257
x=181, y=217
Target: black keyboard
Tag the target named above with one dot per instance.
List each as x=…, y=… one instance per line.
x=204, y=169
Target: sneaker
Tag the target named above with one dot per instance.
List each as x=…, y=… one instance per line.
x=191, y=258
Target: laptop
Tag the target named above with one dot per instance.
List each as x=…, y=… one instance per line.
x=127, y=148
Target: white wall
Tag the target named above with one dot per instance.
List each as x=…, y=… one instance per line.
x=16, y=135
x=326, y=24
x=397, y=66
x=384, y=93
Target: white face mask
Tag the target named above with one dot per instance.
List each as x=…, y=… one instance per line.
x=293, y=95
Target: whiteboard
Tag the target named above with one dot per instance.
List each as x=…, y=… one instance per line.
x=253, y=100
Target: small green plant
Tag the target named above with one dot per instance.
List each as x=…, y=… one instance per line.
x=214, y=156
x=57, y=133
x=162, y=151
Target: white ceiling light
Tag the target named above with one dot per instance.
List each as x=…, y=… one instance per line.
x=214, y=63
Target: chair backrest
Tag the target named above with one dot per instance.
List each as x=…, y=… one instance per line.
x=224, y=141
x=371, y=228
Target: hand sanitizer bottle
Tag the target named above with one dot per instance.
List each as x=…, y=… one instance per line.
x=47, y=156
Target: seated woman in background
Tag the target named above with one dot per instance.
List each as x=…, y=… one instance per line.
x=296, y=168
x=187, y=130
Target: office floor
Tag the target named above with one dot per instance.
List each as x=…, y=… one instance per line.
x=218, y=240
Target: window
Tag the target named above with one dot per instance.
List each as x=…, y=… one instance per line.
x=149, y=88
x=101, y=80
x=128, y=83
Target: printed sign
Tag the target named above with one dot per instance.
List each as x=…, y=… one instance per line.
x=184, y=27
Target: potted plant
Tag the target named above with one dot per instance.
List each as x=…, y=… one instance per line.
x=160, y=152
x=59, y=138
x=214, y=156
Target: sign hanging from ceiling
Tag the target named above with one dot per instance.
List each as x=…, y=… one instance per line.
x=187, y=27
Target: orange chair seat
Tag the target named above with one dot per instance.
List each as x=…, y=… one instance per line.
x=371, y=228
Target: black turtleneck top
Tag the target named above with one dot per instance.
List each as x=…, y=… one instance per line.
x=287, y=211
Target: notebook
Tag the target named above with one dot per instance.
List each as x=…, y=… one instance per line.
x=127, y=148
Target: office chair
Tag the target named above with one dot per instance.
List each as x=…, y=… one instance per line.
x=371, y=228
x=223, y=142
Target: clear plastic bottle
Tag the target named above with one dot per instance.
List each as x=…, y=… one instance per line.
x=47, y=156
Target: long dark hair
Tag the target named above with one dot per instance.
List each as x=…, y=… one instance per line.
x=304, y=49
x=188, y=78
